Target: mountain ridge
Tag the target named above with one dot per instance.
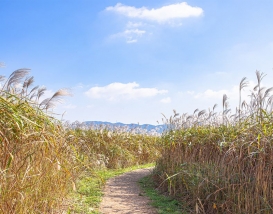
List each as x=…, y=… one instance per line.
x=148, y=127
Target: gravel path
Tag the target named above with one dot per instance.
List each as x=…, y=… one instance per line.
x=122, y=194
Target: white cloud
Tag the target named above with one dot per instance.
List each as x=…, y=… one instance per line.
x=161, y=15
x=232, y=93
x=131, y=35
x=118, y=91
x=134, y=24
x=166, y=100
x=141, y=21
x=211, y=94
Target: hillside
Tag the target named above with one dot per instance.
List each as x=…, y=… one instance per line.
x=146, y=127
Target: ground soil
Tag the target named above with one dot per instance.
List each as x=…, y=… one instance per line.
x=122, y=194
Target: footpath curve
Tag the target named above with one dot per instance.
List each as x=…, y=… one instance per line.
x=122, y=194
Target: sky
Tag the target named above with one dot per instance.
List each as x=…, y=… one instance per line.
x=132, y=61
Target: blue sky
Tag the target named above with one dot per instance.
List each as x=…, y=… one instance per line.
x=129, y=61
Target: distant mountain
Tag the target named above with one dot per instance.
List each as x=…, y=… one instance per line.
x=147, y=127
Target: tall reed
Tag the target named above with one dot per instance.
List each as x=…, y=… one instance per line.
x=41, y=159
x=114, y=147
x=219, y=162
x=34, y=164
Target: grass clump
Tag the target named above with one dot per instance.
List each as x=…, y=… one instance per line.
x=219, y=162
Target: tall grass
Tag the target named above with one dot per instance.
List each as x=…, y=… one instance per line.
x=41, y=159
x=114, y=148
x=34, y=163
x=219, y=162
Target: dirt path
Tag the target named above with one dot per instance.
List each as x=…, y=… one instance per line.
x=122, y=194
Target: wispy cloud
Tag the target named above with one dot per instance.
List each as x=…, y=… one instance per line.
x=161, y=15
x=134, y=24
x=131, y=35
x=118, y=91
x=166, y=100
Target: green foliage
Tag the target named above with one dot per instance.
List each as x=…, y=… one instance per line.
x=164, y=204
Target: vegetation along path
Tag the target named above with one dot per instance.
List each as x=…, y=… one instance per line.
x=122, y=194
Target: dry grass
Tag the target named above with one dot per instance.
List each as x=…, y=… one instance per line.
x=42, y=159
x=34, y=167
x=113, y=148
x=221, y=163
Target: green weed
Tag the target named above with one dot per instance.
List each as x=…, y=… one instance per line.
x=164, y=204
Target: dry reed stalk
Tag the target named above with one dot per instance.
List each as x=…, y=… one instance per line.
x=222, y=163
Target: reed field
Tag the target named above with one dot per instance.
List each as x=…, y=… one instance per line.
x=219, y=162
x=43, y=158
x=212, y=162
